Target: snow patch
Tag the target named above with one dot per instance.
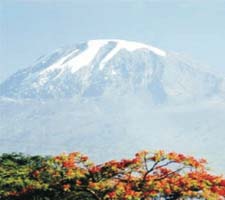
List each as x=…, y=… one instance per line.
x=60, y=64
x=129, y=46
x=87, y=56
x=114, y=72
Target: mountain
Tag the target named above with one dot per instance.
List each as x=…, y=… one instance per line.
x=104, y=67
x=110, y=98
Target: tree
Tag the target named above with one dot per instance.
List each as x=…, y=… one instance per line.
x=147, y=176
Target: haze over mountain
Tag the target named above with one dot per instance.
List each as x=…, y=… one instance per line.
x=110, y=98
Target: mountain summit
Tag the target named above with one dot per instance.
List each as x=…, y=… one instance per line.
x=99, y=67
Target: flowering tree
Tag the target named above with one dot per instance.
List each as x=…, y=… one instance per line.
x=147, y=176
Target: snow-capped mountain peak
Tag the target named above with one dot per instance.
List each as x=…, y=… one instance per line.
x=76, y=60
x=99, y=67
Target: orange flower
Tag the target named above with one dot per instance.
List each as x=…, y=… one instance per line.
x=66, y=187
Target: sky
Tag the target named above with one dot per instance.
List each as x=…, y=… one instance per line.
x=31, y=28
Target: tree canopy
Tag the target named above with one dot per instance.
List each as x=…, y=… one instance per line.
x=146, y=176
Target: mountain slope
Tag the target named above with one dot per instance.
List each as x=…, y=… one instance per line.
x=102, y=67
x=109, y=129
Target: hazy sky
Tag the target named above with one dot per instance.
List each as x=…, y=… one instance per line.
x=31, y=28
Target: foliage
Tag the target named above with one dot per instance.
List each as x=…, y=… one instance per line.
x=147, y=176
